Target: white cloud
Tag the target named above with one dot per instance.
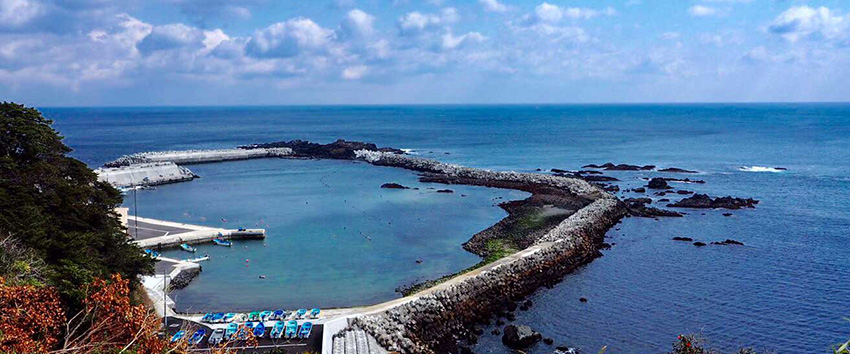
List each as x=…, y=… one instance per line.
x=703, y=11
x=289, y=38
x=452, y=42
x=355, y=72
x=358, y=24
x=670, y=35
x=803, y=22
x=15, y=13
x=171, y=36
x=416, y=22
x=493, y=5
x=549, y=13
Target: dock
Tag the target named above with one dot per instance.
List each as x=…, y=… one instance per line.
x=152, y=233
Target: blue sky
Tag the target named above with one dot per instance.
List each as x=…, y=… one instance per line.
x=246, y=52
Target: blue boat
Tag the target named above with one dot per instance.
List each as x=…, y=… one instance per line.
x=218, y=317
x=314, y=313
x=188, y=248
x=230, y=332
x=259, y=329
x=152, y=253
x=278, y=315
x=277, y=330
x=300, y=313
x=245, y=330
x=222, y=242
x=207, y=317
x=177, y=336
x=306, y=328
x=228, y=317
x=291, y=329
x=264, y=316
x=197, y=337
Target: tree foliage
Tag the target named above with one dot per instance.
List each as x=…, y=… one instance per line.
x=55, y=206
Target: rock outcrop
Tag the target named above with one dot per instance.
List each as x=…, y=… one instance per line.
x=703, y=201
x=520, y=337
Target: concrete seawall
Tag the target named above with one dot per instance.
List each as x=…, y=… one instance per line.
x=196, y=235
x=144, y=174
x=187, y=157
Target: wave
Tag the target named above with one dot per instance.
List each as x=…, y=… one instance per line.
x=762, y=169
x=410, y=151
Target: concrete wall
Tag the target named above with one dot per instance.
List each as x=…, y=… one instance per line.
x=187, y=157
x=144, y=174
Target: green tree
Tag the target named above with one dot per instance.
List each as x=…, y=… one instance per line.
x=55, y=206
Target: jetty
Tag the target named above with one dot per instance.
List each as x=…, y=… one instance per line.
x=152, y=233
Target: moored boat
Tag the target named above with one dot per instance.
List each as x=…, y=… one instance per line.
x=277, y=330
x=218, y=317
x=207, y=317
x=305, y=330
x=177, y=336
x=265, y=315
x=314, y=313
x=259, y=329
x=254, y=316
x=291, y=329
x=222, y=242
x=197, y=337
x=187, y=248
x=228, y=317
x=230, y=332
x=300, y=313
x=278, y=314
x=197, y=259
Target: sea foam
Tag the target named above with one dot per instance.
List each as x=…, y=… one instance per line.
x=761, y=169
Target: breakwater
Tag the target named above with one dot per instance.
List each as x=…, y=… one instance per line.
x=144, y=174
x=434, y=320
x=188, y=157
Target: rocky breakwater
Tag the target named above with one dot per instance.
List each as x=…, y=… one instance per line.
x=436, y=319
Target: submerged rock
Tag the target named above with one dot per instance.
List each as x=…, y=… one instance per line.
x=728, y=241
x=699, y=244
x=393, y=186
x=676, y=170
x=445, y=191
x=677, y=238
x=703, y=201
x=520, y=337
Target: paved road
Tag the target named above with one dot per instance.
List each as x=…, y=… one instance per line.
x=146, y=230
x=265, y=344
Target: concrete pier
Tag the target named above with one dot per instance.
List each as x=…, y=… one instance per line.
x=190, y=234
x=144, y=174
x=187, y=157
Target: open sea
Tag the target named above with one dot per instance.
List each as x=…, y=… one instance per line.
x=336, y=239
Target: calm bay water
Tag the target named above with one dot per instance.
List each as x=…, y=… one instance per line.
x=787, y=289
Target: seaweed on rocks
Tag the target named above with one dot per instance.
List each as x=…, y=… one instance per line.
x=703, y=201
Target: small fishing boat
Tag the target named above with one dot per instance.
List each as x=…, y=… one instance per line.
x=259, y=330
x=222, y=242
x=197, y=259
x=314, y=313
x=245, y=330
x=277, y=314
x=177, y=336
x=291, y=329
x=300, y=313
x=264, y=316
x=218, y=317
x=207, y=317
x=152, y=253
x=228, y=317
x=277, y=330
x=216, y=337
x=188, y=248
x=230, y=332
x=197, y=337
x=306, y=328
x=254, y=316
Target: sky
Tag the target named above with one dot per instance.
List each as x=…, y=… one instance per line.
x=270, y=52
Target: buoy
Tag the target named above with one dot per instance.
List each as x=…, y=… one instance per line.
x=262, y=277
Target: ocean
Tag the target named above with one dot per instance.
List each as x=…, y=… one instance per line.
x=337, y=239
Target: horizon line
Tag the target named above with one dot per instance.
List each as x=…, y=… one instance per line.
x=659, y=103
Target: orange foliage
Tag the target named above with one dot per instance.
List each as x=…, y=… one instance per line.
x=110, y=322
x=30, y=318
